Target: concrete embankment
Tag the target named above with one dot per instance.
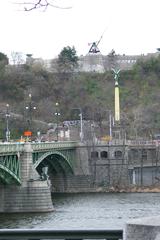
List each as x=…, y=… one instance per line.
x=147, y=228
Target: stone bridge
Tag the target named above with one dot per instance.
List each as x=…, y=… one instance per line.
x=60, y=155
x=30, y=172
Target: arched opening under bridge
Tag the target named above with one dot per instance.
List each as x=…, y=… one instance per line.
x=57, y=167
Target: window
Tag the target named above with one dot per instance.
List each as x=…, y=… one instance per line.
x=134, y=154
x=104, y=154
x=94, y=154
x=118, y=154
x=144, y=154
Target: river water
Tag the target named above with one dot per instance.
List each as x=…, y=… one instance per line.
x=88, y=211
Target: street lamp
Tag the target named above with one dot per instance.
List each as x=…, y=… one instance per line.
x=81, y=123
x=39, y=136
x=57, y=114
x=81, y=126
x=7, y=123
x=110, y=125
x=30, y=109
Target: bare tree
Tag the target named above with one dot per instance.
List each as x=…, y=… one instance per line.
x=41, y=4
x=17, y=58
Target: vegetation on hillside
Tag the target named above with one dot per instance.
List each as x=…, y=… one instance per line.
x=92, y=92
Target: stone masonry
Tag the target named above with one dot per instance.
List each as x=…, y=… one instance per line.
x=144, y=228
x=32, y=196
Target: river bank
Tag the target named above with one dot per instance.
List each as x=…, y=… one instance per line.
x=131, y=189
x=117, y=189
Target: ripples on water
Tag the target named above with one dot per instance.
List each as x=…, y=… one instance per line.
x=88, y=211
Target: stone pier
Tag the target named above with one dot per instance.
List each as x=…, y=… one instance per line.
x=33, y=195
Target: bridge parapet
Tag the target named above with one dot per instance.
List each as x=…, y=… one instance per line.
x=19, y=147
x=115, y=142
x=53, y=145
x=140, y=142
x=11, y=147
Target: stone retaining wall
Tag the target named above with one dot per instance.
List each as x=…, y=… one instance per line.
x=147, y=228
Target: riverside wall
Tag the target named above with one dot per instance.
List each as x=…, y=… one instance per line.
x=95, y=168
x=147, y=228
x=105, y=167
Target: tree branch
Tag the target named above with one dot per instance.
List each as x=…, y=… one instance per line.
x=43, y=4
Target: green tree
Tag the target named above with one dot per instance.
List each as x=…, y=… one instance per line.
x=3, y=60
x=67, y=60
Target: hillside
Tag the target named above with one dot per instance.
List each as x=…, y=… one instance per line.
x=92, y=92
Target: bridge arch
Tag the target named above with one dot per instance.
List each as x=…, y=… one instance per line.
x=59, y=169
x=7, y=176
x=56, y=160
x=55, y=156
x=9, y=169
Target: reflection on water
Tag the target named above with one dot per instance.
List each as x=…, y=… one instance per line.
x=88, y=211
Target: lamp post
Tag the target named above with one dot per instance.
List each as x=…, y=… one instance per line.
x=30, y=109
x=81, y=123
x=110, y=125
x=7, y=123
x=81, y=126
x=57, y=114
x=39, y=136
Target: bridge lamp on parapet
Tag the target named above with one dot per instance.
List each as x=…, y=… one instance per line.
x=39, y=136
x=7, y=123
x=117, y=101
x=57, y=114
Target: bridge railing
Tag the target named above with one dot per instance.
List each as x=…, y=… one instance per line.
x=130, y=142
x=11, y=147
x=19, y=147
x=38, y=234
x=55, y=145
x=141, y=142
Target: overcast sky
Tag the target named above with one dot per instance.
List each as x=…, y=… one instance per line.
x=129, y=27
